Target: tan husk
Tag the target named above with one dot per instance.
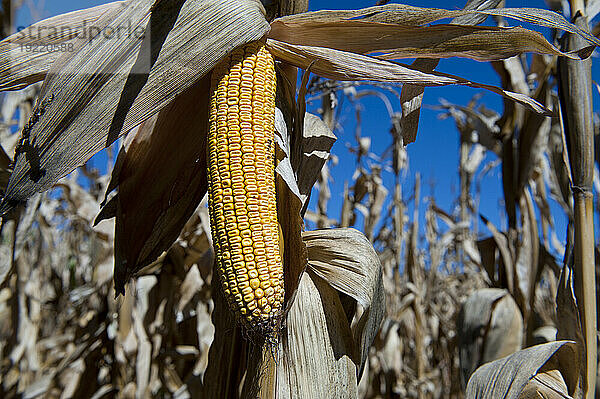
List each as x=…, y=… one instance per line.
x=88, y=114
x=507, y=377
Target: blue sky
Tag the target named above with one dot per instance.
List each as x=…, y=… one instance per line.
x=435, y=154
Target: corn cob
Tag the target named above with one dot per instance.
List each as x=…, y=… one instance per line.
x=242, y=201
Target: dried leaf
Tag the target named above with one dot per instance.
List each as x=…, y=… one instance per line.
x=316, y=350
x=548, y=385
x=316, y=144
x=527, y=252
x=533, y=140
x=474, y=19
x=346, y=260
x=482, y=43
x=105, y=98
x=151, y=216
x=507, y=377
x=408, y=15
x=490, y=326
x=20, y=68
x=345, y=66
x=411, y=98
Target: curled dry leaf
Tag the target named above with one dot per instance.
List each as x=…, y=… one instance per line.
x=409, y=15
x=347, y=261
x=411, y=98
x=489, y=326
x=316, y=352
x=316, y=144
x=391, y=41
x=344, y=66
x=509, y=377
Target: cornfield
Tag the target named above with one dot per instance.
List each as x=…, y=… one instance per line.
x=207, y=257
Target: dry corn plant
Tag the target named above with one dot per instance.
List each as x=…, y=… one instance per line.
x=207, y=97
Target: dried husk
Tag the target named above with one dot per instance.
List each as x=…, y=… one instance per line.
x=508, y=377
x=149, y=217
x=19, y=68
x=490, y=326
x=393, y=41
x=345, y=66
x=182, y=44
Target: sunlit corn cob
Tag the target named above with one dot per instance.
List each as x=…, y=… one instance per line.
x=242, y=202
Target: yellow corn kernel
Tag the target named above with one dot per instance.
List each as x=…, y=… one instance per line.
x=242, y=203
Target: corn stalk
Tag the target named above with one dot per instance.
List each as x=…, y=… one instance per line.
x=576, y=110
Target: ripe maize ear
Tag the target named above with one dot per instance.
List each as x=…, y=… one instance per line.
x=242, y=201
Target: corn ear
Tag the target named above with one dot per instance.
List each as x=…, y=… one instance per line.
x=242, y=200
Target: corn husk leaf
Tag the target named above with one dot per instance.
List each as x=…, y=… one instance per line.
x=99, y=99
x=20, y=68
x=316, y=144
x=151, y=216
x=289, y=206
x=411, y=99
x=409, y=15
x=489, y=327
x=391, y=41
x=345, y=66
x=316, y=350
x=347, y=261
x=507, y=377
